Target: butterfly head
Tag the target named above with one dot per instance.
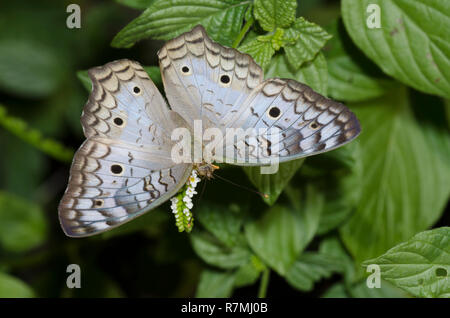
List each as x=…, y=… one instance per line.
x=206, y=169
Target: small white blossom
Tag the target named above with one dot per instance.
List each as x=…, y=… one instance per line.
x=190, y=192
x=187, y=199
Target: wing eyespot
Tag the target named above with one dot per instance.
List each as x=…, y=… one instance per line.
x=313, y=125
x=118, y=121
x=274, y=112
x=137, y=90
x=98, y=203
x=117, y=169
x=186, y=70
x=225, y=80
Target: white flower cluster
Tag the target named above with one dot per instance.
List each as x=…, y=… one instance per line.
x=186, y=203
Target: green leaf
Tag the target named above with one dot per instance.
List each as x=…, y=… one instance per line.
x=307, y=40
x=214, y=253
x=351, y=76
x=152, y=71
x=224, y=223
x=215, y=284
x=272, y=13
x=280, y=235
x=313, y=74
x=421, y=265
x=411, y=43
x=136, y=4
x=406, y=176
x=165, y=20
x=273, y=184
x=260, y=49
x=22, y=224
x=12, y=287
x=310, y=268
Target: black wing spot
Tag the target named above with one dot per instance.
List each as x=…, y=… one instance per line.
x=274, y=112
x=116, y=169
x=136, y=90
x=225, y=79
x=118, y=121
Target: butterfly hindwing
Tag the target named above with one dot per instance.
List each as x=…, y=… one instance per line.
x=124, y=168
x=112, y=183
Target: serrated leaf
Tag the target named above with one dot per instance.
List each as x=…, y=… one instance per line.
x=351, y=76
x=165, y=20
x=280, y=235
x=273, y=13
x=260, y=49
x=421, y=265
x=22, y=224
x=307, y=40
x=406, y=178
x=215, y=253
x=310, y=268
x=313, y=74
x=214, y=284
x=12, y=287
x=411, y=43
x=273, y=184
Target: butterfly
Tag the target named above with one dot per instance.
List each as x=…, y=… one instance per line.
x=124, y=168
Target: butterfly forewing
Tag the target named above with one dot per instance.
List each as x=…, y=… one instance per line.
x=205, y=80
x=225, y=89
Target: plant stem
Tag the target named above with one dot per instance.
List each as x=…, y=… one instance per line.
x=264, y=283
x=244, y=30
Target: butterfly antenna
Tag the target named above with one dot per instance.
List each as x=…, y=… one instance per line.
x=264, y=195
x=203, y=190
